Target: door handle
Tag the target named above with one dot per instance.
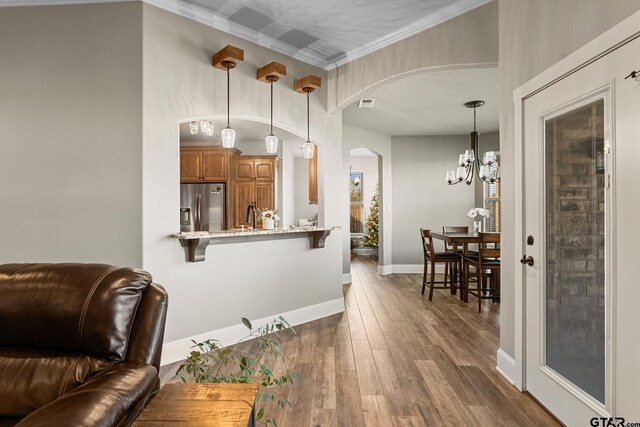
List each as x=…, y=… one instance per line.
x=527, y=260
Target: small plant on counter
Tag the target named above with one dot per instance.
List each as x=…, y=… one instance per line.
x=268, y=214
x=210, y=362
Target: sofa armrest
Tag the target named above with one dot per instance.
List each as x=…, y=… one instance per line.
x=104, y=400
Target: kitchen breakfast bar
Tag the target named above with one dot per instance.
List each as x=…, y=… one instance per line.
x=195, y=243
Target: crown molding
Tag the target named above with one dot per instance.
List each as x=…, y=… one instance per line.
x=220, y=22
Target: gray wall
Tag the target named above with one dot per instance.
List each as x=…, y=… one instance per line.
x=70, y=134
x=421, y=196
x=256, y=279
x=534, y=35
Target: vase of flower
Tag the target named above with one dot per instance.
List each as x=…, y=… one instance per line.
x=478, y=215
x=269, y=224
x=268, y=218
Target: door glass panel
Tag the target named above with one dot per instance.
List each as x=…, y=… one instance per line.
x=575, y=276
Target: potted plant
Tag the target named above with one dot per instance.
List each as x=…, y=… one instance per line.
x=268, y=218
x=210, y=362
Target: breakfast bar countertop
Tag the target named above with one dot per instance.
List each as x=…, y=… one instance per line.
x=248, y=232
x=195, y=243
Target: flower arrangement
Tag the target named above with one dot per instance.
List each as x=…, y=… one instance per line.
x=268, y=214
x=475, y=212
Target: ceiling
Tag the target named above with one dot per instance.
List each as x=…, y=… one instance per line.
x=323, y=33
x=430, y=103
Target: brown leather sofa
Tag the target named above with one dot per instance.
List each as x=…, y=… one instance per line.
x=79, y=344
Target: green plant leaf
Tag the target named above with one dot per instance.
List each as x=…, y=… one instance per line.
x=260, y=414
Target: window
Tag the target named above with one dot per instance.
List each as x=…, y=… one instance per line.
x=492, y=203
x=357, y=207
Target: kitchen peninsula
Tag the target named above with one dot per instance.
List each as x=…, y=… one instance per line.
x=195, y=243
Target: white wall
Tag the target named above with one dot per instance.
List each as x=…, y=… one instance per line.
x=369, y=166
x=255, y=279
x=353, y=137
x=421, y=196
x=70, y=134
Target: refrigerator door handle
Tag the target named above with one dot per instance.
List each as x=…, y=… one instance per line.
x=198, y=212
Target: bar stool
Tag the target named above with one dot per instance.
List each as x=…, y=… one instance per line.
x=432, y=257
x=486, y=265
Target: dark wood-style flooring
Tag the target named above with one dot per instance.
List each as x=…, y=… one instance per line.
x=396, y=359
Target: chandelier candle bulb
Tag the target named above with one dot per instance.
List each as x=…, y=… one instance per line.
x=484, y=172
x=462, y=161
x=461, y=173
x=469, y=156
x=451, y=176
x=490, y=157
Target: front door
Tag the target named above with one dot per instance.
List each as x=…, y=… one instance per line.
x=569, y=140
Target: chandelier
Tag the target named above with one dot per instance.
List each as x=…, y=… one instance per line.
x=469, y=164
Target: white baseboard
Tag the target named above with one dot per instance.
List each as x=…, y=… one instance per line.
x=178, y=350
x=346, y=278
x=385, y=269
x=506, y=366
x=406, y=268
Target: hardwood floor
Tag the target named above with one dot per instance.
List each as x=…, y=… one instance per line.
x=396, y=359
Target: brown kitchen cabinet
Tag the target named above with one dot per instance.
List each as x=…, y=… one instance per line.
x=253, y=182
x=313, y=177
x=254, y=168
x=204, y=164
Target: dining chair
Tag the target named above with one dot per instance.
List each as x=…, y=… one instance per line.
x=487, y=266
x=432, y=257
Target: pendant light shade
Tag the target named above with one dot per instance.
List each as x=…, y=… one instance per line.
x=271, y=144
x=307, y=150
x=228, y=136
x=225, y=59
x=271, y=73
x=193, y=128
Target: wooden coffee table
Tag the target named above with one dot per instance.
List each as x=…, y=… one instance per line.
x=219, y=405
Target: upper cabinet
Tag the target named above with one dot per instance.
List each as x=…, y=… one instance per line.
x=254, y=168
x=313, y=177
x=204, y=164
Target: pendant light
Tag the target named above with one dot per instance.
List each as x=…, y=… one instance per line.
x=307, y=85
x=271, y=73
x=469, y=163
x=202, y=127
x=225, y=59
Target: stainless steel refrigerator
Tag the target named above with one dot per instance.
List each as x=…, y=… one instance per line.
x=202, y=207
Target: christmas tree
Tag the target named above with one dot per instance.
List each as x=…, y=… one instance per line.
x=371, y=226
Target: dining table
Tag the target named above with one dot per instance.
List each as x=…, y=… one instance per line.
x=456, y=240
